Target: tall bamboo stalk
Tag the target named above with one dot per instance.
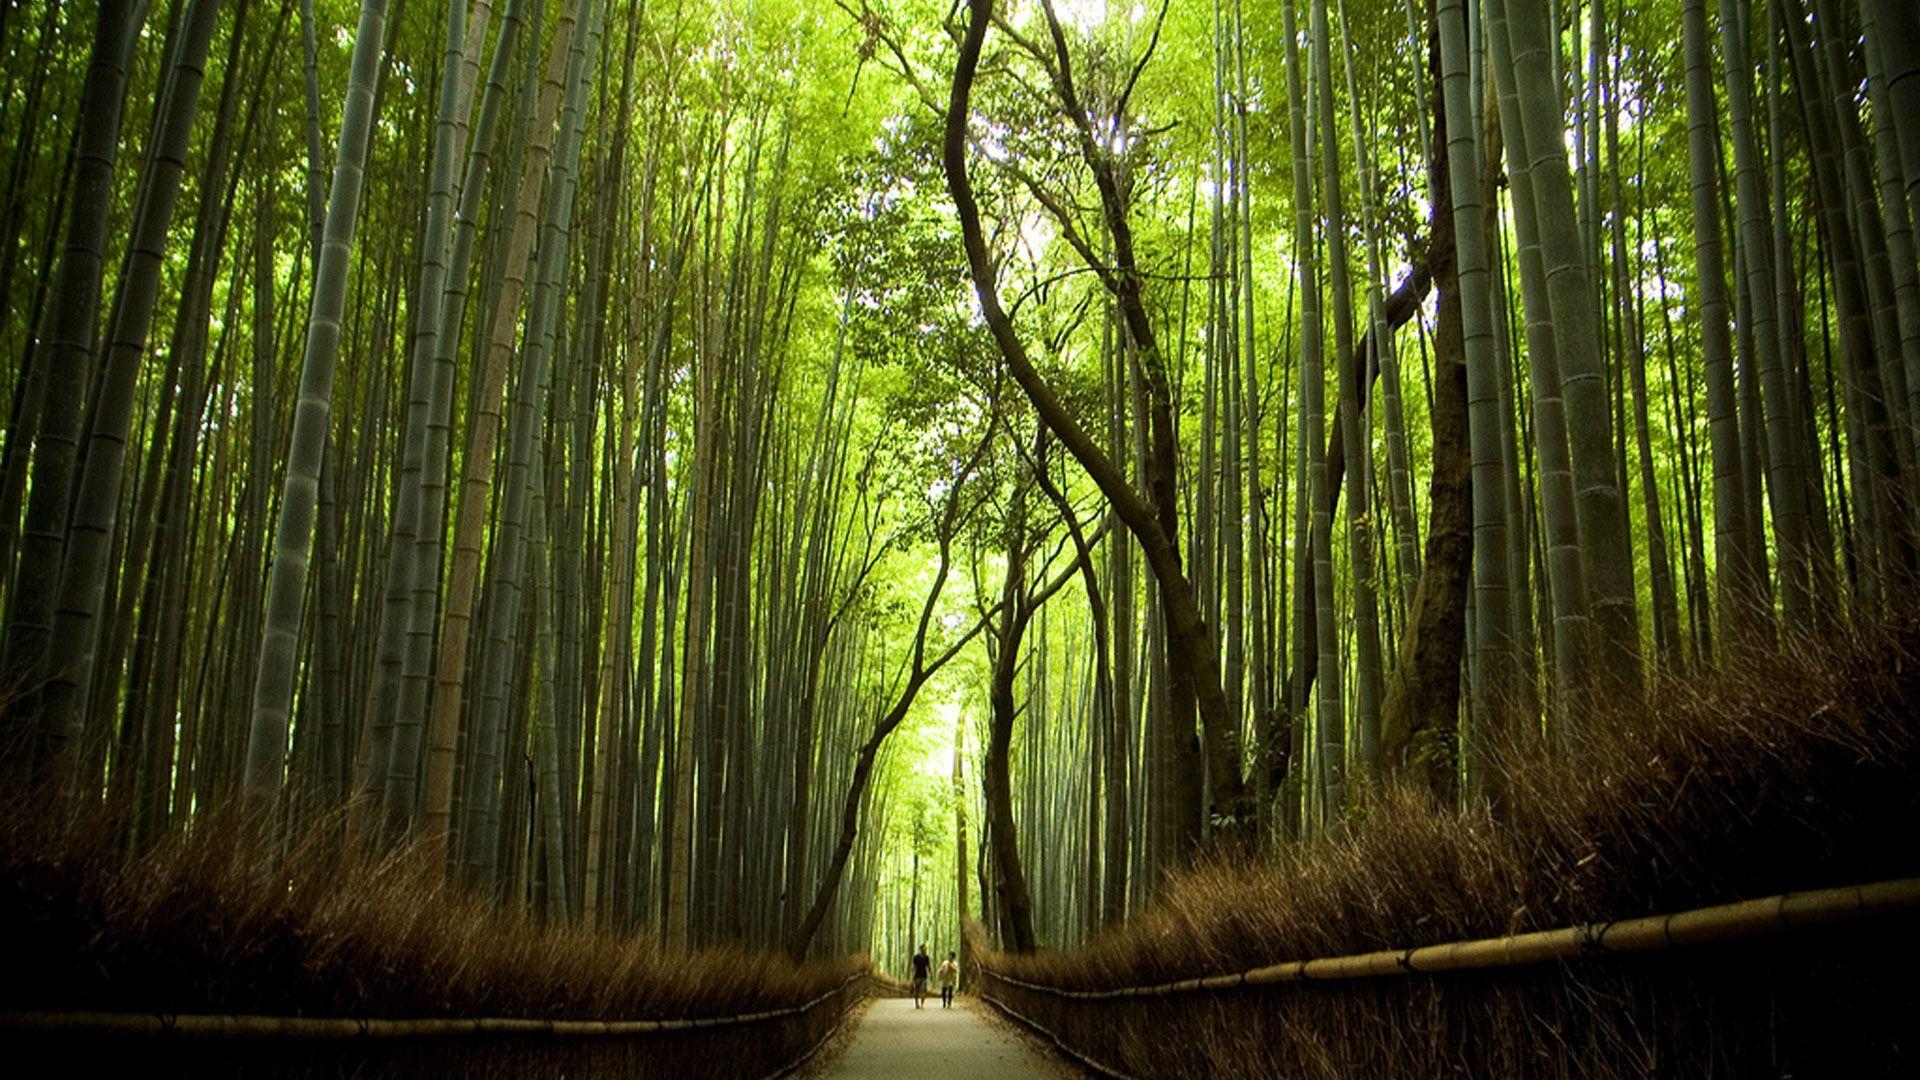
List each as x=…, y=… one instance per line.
x=293, y=534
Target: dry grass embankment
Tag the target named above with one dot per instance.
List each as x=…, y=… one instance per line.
x=1800, y=773
x=195, y=926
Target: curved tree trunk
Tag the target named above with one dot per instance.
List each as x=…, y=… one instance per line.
x=1014, y=900
x=920, y=669
x=1194, y=662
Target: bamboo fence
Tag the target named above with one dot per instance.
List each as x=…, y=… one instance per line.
x=1716, y=925
x=222, y=1026
x=1719, y=924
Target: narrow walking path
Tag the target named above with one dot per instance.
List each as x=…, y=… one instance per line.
x=896, y=1040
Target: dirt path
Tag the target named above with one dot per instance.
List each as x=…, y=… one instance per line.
x=896, y=1040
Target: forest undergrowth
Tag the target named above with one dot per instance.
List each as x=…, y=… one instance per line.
x=196, y=924
x=1799, y=770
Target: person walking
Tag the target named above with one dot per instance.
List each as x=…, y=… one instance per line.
x=922, y=963
x=949, y=977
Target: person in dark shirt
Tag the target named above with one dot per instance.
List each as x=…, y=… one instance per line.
x=921, y=963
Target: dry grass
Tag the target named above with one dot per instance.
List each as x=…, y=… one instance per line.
x=828, y=1056
x=1798, y=773
x=195, y=925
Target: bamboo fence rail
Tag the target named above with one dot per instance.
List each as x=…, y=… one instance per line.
x=1093, y=1064
x=1718, y=924
x=220, y=1026
x=799, y=1063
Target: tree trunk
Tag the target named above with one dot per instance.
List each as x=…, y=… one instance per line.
x=1466, y=538
x=1194, y=665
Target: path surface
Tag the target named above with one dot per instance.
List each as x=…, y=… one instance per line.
x=895, y=1040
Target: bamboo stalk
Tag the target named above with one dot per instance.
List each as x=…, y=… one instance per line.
x=223, y=1026
x=1719, y=924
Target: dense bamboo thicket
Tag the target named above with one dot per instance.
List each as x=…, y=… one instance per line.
x=193, y=938
x=471, y=437
x=1641, y=827
x=794, y=476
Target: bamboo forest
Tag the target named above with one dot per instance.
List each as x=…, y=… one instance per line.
x=1295, y=538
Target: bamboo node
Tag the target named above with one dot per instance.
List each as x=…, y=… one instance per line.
x=1593, y=937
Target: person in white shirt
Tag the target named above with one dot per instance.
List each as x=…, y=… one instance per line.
x=949, y=977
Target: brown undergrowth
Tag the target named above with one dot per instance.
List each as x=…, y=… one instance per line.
x=201, y=923
x=1799, y=772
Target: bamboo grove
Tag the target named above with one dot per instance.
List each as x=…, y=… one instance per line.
x=801, y=474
